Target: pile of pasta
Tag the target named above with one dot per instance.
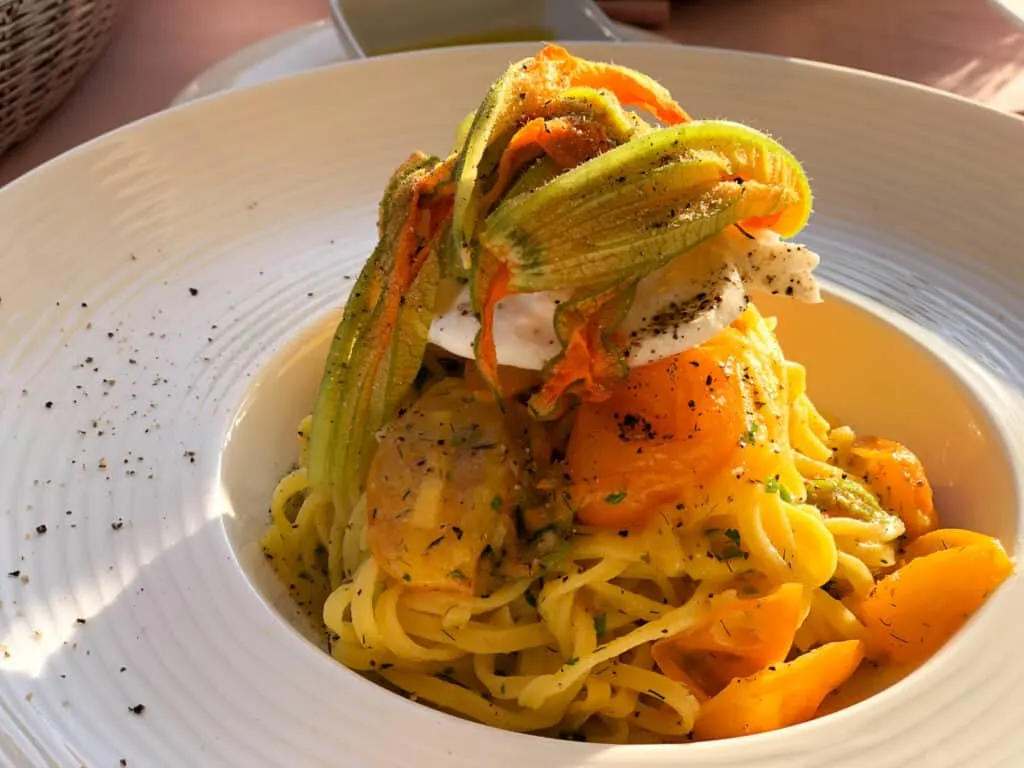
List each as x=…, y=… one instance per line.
x=710, y=557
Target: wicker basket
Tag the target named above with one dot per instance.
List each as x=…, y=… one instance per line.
x=45, y=48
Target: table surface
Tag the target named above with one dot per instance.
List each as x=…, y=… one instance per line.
x=970, y=47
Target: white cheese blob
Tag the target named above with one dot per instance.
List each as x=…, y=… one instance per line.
x=677, y=307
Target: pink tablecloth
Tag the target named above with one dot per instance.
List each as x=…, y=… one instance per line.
x=971, y=47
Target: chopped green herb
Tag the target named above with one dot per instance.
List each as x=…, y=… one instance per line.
x=406, y=577
x=496, y=503
x=772, y=485
x=751, y=434
x=615, y=498
x=457, y=574
x=571, y=662
x=600, y=624
x=725, y=545
x=531, y=599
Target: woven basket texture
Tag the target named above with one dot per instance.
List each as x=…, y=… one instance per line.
x=45, y=48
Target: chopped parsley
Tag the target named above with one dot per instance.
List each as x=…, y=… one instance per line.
x=772, y=485
x=600, y=624
x=725, y=545
x=615, y=498
x=750, y=435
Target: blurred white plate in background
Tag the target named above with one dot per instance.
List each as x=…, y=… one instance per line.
x=298, y=50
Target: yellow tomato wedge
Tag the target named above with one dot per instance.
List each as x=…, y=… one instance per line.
x=779, y=695
x=946, y=538
x=736, y=641
x=917, y=608
x=897, y=477
x=670, y=424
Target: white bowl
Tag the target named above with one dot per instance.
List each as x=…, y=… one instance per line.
x=264, y=201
